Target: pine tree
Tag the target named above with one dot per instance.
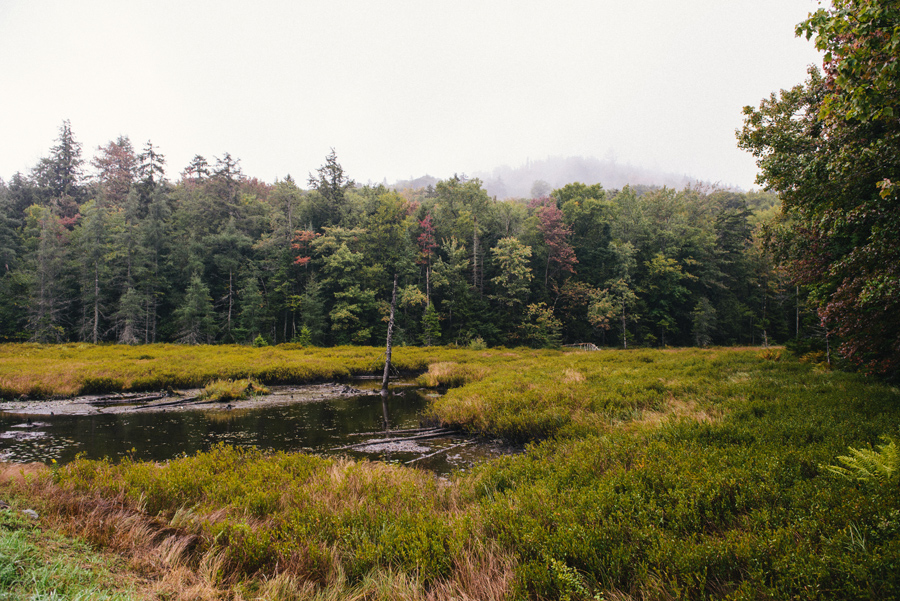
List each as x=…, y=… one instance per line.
x=195, y=317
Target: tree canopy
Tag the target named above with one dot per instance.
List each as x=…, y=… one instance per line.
x=128, y=255
x=831, y=149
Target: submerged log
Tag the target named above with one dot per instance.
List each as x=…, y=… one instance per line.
x=436, y=434
x=439, y=451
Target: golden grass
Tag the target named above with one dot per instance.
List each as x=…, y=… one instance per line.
x=232, y=390
x=63, y=370
x=180, y=561
x=449, y=373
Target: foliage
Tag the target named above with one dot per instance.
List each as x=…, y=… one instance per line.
x=862, y=57
x=868, y=465
x=831, y=147
x=218, y=256
x=540, y=327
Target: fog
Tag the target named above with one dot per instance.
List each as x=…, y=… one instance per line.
x=401, y=88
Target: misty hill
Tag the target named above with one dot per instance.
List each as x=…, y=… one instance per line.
x=506, y=181
x=556, y=172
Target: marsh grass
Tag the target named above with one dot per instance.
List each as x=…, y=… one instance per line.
x=232, y=390
x=691, y=474
x=43, y=371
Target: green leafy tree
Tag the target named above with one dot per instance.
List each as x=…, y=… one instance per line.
x=252, y=313
x=540, y=327
x=59, y=176
x=665, y=294
x=351, y=315
x=155, y=234
x=861, y=41
x=94, y=241
x=512, y=284
x=312, y=311
x=833, y=153
x=229, y=248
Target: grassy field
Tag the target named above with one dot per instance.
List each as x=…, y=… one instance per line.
x=673, y=474
x=47, y=371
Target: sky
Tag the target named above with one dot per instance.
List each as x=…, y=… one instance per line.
x=398, y=88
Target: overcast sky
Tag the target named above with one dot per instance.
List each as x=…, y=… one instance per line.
x=398, y=88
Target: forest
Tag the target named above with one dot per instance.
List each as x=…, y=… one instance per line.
x=114, y=249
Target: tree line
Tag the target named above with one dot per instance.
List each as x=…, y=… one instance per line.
x=117, y=250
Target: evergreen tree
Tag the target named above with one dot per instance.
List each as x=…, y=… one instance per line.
x=59, y=176
x=195, y=317
x=47, y=242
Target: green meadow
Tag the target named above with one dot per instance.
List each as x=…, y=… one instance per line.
x=648, y=474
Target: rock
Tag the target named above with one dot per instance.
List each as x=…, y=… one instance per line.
x=30, y=513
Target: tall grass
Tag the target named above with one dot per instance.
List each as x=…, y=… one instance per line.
x=650, y=475
x=38, y=565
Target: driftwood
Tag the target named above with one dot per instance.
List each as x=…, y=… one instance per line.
x=439, y=451
x=403, y=432
x=121, y=399
x=435, y=434
x=183, y=401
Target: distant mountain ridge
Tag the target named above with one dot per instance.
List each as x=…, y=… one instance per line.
x=556, y=172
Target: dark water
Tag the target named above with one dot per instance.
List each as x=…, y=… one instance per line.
x=318, y=427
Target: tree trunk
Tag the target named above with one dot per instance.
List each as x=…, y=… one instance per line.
x=390, y=340
x=230, y=297
x=475, y=253
x=428, y=282
x=96, y=301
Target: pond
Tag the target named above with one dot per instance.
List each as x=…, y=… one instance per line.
x=350, y=422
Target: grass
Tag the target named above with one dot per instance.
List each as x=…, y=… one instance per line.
x=46, y=371
x=38, y=565
x=232, y=390
x=689, y=474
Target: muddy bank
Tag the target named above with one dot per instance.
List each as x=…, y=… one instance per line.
x=181, y=400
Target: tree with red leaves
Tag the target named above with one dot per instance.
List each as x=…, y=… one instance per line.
x=116, y=165
x=555, y=233
x=301, y=243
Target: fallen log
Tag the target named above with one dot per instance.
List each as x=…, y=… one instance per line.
x=396, y=439
x=439, y=451
x=125, y=399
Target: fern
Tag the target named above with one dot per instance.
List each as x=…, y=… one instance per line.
x=870, y=465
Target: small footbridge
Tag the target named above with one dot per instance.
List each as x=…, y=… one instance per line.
x=583, y=346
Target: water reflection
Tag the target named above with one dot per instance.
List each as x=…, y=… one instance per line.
x=328, y=426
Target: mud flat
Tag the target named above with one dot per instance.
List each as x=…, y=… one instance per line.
x=181, y=400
